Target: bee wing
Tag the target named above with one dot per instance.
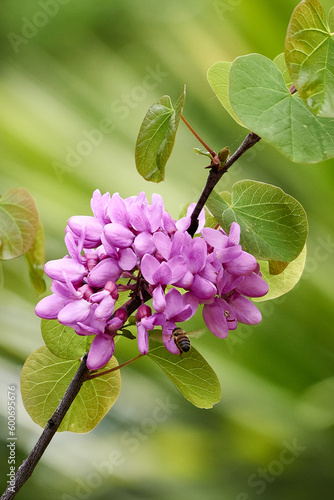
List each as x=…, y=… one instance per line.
x=155, y=335
x=195, y=334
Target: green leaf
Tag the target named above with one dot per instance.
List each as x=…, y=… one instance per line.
x=44, y=381
x=35, y=259
x=281, y=64
x=62, y=340
x=331, y=19
x=277, y=266
x=191, y=374
x=203, y=152
x=273, y=224
x=218, y=79
x=282, y=283
x=261, y=99
x=157, y=136
x=309, y=54
x=18, y=223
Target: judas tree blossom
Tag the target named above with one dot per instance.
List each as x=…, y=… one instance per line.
x=135, y=247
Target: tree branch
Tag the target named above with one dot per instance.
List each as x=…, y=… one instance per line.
x=28, y=465
x=215, y=175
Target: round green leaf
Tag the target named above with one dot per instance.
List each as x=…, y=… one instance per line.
x=218, y=79
x=282, y=283
x=44, y=381
x=260, y=98
x=62, y=340
x=273, y=224
x=157, y=136
x=191, y=374
x=309, y=54
x=18, y=223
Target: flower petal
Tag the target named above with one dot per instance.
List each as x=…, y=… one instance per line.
x=105, y=308
x=202, y=288
x=118, y=235
x=50, y=306
x=215, y=238
x=159, y=301
x=245, y=310
x=128, y=259
x=117, y=210
x=253, y=286
x=101, y=350
x=106, y=270
x=75, y=311
x=163, y=244
x=244, y=264
x=144, y=244
x=215, y=319
x=142, y=339
x=149, y=266
x=93, y=229
x=178, y=267
x=58, y=269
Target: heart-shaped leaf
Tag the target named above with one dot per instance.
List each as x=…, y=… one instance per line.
x=282, y=283
x=18, y=223
x=44, y=380
x=191, y=374
x=157, y=136
x=62, y=340
x=309, y=54
x=273, y=224
x=218, y=79
x=260, y=98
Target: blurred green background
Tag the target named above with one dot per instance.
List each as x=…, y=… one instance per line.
x=76, y=79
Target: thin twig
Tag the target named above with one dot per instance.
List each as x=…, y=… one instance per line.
x=193, y=131
x=118, y=367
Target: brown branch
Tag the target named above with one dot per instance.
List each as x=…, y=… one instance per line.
x=215, y=175
x=28, y=465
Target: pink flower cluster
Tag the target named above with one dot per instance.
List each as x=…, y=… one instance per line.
x=131, y=245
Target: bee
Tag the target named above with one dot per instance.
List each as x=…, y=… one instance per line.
x=181, y=340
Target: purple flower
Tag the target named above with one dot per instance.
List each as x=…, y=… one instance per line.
x=130, y=245
x=178, y=308
x=145, y=321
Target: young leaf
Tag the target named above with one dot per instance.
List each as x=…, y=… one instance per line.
x=273, y=224
x=191, y=374
x=44, y=380
x=35, y=260
x=309, y=54
x=282, y=283
x=218, y=79
x=157, y=136
x=261, y=99
x=18, y=223
x=62, y=340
